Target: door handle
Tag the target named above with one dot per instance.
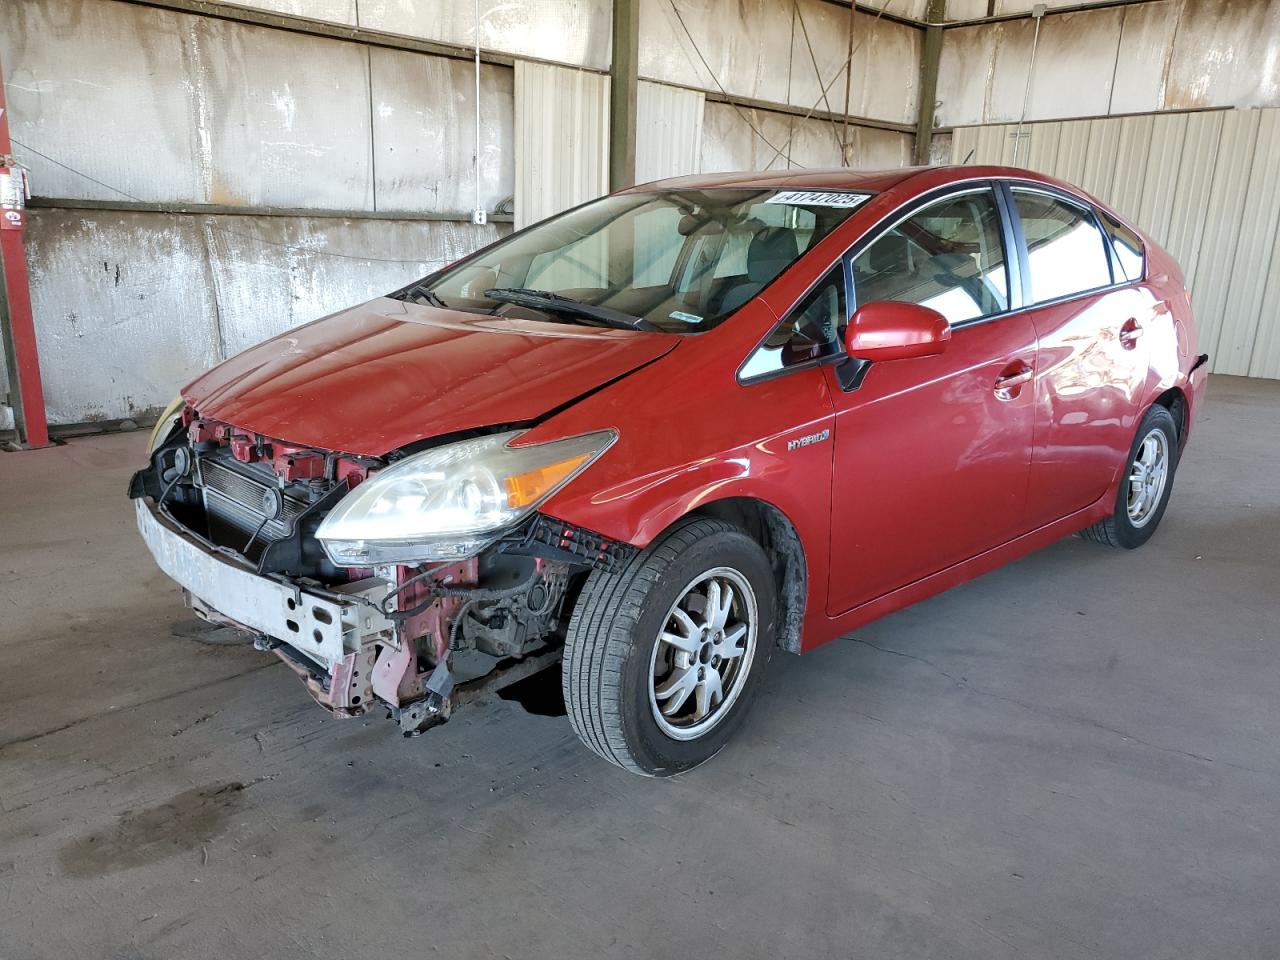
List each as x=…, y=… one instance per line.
x=1012, y=378
x=1130, y=333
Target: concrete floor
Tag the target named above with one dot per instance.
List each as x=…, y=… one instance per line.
x=1076, y=756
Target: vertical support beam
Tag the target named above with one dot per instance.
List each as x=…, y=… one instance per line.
x=930, y=57
x=622, y=93
x=16, y=322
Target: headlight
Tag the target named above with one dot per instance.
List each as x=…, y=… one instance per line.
x=164, y=423
x=452, y=501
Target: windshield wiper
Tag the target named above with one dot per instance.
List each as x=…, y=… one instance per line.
x=423, y=295
x=557, y=303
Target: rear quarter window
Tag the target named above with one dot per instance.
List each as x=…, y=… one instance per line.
x=1130, y=256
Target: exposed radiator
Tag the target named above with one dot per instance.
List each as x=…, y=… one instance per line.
x=234, y=500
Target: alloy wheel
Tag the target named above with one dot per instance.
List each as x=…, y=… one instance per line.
x=703, y=653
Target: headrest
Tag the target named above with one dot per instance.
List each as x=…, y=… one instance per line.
x=770, y=252
x=890, y=252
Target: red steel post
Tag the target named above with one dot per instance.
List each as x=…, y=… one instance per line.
x=33, y=427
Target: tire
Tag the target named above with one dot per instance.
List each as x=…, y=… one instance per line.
x=618, y=675
x=1124, y=529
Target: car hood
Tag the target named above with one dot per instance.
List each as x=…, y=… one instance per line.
x=385, y=374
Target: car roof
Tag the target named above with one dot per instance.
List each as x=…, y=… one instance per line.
x=845, y=178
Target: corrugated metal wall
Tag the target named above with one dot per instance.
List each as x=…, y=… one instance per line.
x=668, y=130
x=562, y=139
x=1205, y=185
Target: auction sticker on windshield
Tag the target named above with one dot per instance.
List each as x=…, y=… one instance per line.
x=818, y=198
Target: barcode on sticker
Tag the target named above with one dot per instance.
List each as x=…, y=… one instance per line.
x=818, y=198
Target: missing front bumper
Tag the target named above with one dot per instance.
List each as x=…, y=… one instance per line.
x=330, y=634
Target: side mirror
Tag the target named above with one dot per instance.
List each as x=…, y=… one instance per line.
x=889, y=330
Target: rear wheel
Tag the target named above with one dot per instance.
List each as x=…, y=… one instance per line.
x=1148, y=482
x=663, y=658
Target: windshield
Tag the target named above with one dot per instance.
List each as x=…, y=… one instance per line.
x=677, y=261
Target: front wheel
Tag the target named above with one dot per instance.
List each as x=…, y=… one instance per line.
x=663, y=658
x=1148, y=482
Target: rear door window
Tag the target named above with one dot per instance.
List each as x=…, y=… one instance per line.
x=1066, y=251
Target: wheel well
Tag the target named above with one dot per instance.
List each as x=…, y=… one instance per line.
x=1175, y=401
x=770, y=528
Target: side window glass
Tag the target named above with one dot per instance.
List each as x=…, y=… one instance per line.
x=949, y=256
x=1128, y=248
x=1064, y=248
x=809, y=332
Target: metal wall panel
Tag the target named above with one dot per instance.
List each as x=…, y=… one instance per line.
x=133, y=305
x=1162, y=165
x=73, y=66
x=281, y=119
x=1206, y=186
x=273, y=273
x=1225, y=53
x=756, y=48
x=424, y=124
x=1100, y=157
x=730, y=143
x=668, y=131
x=1146, y=40
x=1255, y=237
x=334, y=11
x=125, y=310
x=1211, y=281
x=561, y=139
x=1196, y=168
x=734, y=138
x=1137, y=57
x=574, y=32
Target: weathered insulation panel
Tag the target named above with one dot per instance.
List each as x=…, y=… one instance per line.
x=886, y=71
x=273, y=273
x=885, y=64
x=282, y=119
x=125, y=311
x=1075, y=59
x=561, y=139
x=914, y=9
x=1139, y=57
x=132, y=305
x=575, y=32
x=1226, y=53
x=965, y=71
x=334, y=11
x=1146, y=41
x=75, y=66
x=754, y=49
x=747, y=45
x=1025, y=6
x=424, y=124
x=668, y=131
x=729, y=143
x=874, y=149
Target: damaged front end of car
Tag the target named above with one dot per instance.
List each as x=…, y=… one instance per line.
x=411, y=583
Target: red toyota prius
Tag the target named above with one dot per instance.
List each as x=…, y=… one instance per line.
x=665, y=432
